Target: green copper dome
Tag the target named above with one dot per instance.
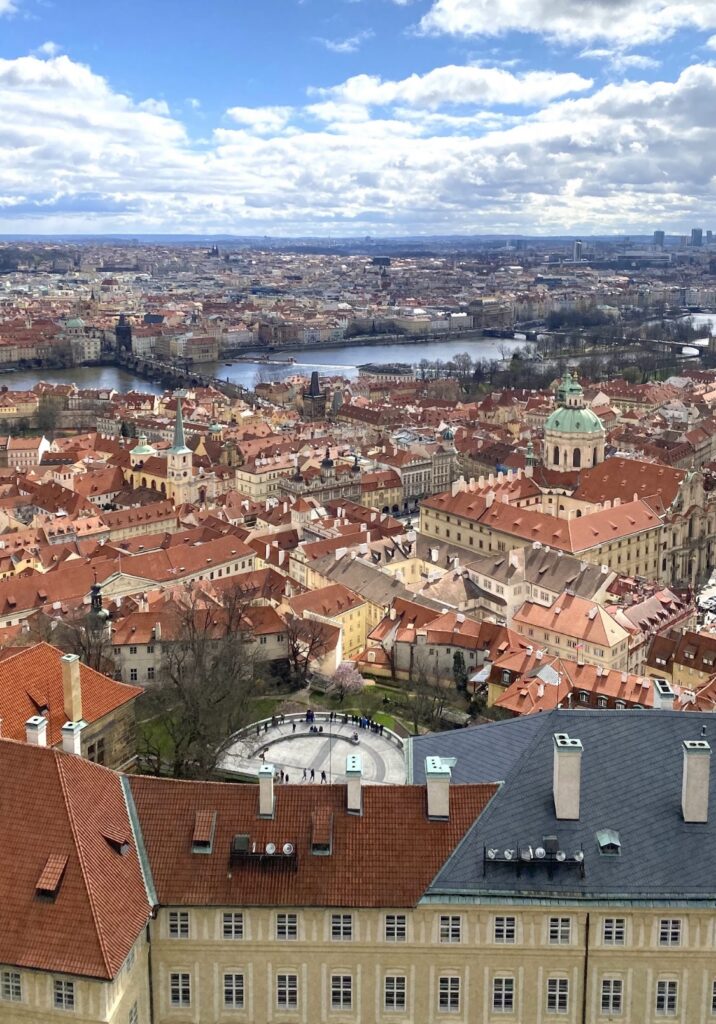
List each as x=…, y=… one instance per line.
x=143, y=449
x=574, y=421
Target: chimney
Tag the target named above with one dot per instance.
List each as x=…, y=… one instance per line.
x=695, y=781
x=157, y=630
x=580, y=655
x=354, y=774
x=71, y=688
x=266, y=774
x=72, y=738
x=36, y=731
x=393, y=614
x=566, y=776
x=437, y=779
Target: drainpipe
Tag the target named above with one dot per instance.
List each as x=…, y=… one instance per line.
x=585, y=978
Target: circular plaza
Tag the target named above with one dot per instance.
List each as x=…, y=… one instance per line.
x=314, y=750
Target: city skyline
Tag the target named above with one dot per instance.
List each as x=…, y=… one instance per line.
x=437, y=117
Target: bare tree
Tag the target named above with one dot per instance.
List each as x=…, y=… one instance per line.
x=307, y=641
x=80, y=633
x=202, y=697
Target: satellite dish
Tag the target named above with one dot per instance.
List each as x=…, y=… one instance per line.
x=509, y=854
x=540, y=852
x=561, y=856
x=287, y=849
x=270, y=848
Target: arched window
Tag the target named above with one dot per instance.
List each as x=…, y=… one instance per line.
x=556, y=455
x=577, y=458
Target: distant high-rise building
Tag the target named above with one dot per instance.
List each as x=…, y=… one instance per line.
x=697, y=237
x=659, y=239
x=576, y=250
x=709, y=237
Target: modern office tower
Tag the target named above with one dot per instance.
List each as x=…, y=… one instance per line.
x=659, y=239
x=697, y=237
x=576, y=250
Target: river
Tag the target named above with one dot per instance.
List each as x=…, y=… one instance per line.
x=337, y=361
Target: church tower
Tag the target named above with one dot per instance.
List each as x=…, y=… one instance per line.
x=573, y=435
x=179, y=463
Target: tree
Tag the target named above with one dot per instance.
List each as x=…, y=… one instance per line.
x=346, y=681
x=459, y=671
x=80, y=633
x=307, y=641
x=47, y=414
x=203, y=693
x=429, y=695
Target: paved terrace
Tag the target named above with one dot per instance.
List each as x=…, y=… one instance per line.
x=293, y=749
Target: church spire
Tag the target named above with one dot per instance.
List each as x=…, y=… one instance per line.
x=179, y=447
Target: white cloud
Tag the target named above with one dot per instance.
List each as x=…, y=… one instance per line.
x=626, y=22
x=48, y=49
x=459, y=85
x=77, y=156
x=7, y=7
x=263, y=120
x=349, y=45
x=193, y=103
x=711, y=42
x=617, y=60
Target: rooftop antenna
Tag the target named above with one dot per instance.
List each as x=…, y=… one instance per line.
x=703, y=730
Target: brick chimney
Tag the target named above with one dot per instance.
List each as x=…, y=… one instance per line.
x=71, y=687
x=437, y=779
x=354, y=792
x=695, y=781
x=36, y=731
x=567, y=776
x=266, y=797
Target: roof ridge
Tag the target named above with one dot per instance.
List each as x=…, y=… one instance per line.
x=59, y=762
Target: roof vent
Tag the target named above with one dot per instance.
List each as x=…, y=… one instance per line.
x=48, y=884
x=204, y=827
x=608, y=842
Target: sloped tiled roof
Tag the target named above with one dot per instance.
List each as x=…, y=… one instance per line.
x=57, y=806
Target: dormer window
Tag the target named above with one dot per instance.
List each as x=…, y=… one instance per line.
x=608, y=842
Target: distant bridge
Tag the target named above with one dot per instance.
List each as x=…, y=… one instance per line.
x=172, y=375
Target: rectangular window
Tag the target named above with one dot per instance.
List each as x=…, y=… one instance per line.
x=150, y=673
x=503, y=995
x=132, y=650
x=180, y=988
x=341, y=927
x=557, y=995
x=713, y=997
x=670, y=931
x=395, y=927
x=614, y=931
x=133, y=1014
x=341, y=992
x=394, y=992
x=150, y=648
x=449, y=995
x=178, y=924
x=11, y=986
x=64, y=992
x=505, y=929
x=666, y=998
x=286, y=926
x=560, y=930
x=233, y=925
x=611, y=995
x=450, y=927
x=234, y=991
x=287, y=991
x=132, y=675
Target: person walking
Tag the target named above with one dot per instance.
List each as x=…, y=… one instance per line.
x=323, y=777
x=305, y=774
x=313, y=774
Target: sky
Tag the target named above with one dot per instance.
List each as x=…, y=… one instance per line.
x=357, y=117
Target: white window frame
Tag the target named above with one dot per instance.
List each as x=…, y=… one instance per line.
x=560, y=931
x=667, y=997
x=341, y=927
x=232, y=925
x=11, y=987
x=180, y=990
x=178, y=924
x=449, y=993
x=614, y=931
x=558, y=995
x=504, y=929
x=287, y=991
x=64, y=994
x=612, y=996
x=503, y=994
x=234, y=990
x=450, y=928
x=287, y=927
x=396, y=928
x=670, y=931
x=341, y=991
x=395, y=995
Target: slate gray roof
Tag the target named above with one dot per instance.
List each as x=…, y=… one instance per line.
x=371, y=583
x=630, y=782
x=484, y=753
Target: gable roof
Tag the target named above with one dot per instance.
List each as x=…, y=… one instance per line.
x=60, y=807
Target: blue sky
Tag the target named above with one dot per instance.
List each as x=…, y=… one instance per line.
x=357, y=116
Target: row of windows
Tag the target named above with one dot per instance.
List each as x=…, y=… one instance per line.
x=450, y=928
x=395, y=993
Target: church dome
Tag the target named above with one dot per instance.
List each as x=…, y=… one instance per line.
x=573, y=421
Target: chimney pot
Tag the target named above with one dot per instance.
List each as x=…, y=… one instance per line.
x=36, y=731
x=354, y=792
x=71, y=687
x=437, y=778
x=566, y=777
x=72, y=737
x=266, y=796
x=695, y=781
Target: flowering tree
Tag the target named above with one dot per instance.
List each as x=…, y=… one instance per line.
x=346, y=680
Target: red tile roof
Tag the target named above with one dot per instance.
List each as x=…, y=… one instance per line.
x=385, y=857
x=57, y=809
